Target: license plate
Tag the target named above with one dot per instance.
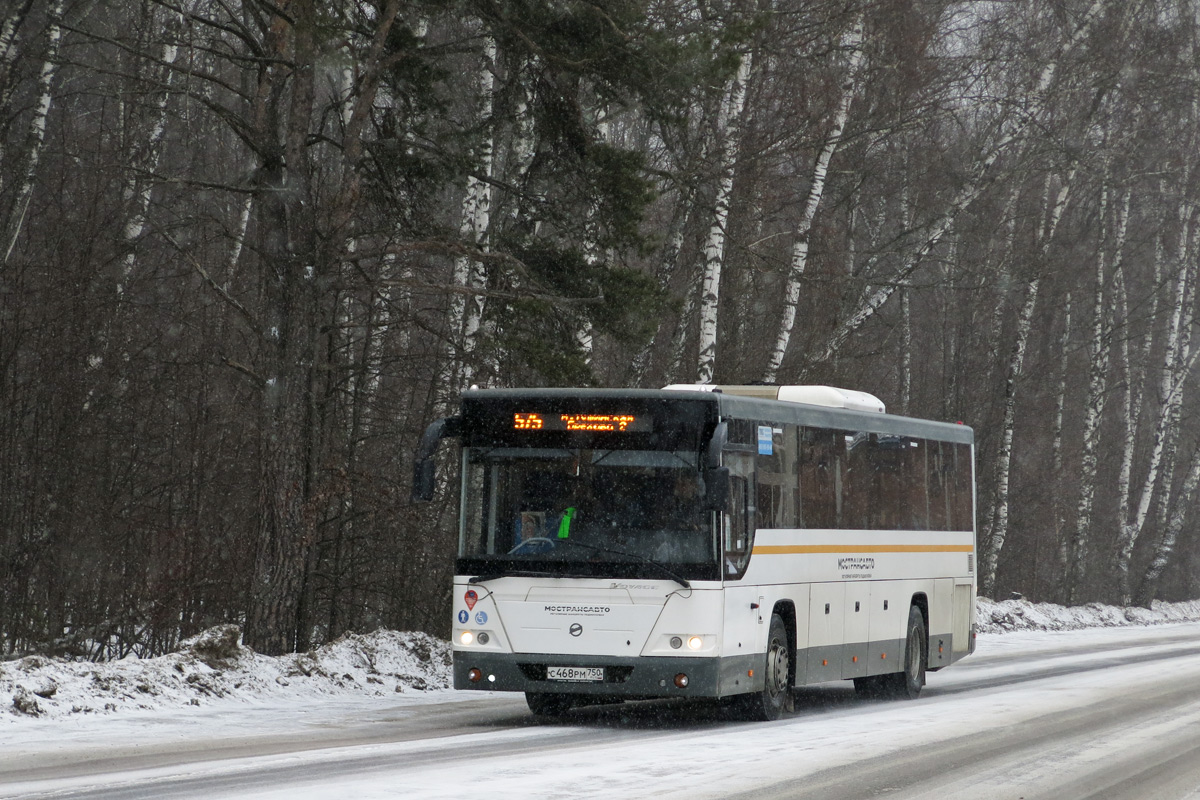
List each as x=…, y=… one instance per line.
x=575, y=673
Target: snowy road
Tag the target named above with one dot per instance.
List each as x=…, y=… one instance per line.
x=1111, y=714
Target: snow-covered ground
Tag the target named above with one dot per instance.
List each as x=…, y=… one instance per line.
x=214, y=668
x=371, y=717
x=1021, y=615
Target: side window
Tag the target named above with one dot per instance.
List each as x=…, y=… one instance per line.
x=473, y=535
x=737, y=524
x=939, y=474
x=963, y=499
x=778, y=489
x=821, y=456
x=858, y=482
x=915, y=497
x=900, y=492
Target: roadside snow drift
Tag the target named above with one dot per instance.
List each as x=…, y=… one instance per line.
x=214, y=665
x=1022, y=615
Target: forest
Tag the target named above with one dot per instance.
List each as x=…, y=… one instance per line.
x=250, y=249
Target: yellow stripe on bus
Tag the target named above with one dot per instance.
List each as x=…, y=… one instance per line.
x=792, y=549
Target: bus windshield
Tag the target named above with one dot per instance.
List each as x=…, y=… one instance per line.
x=534, y=508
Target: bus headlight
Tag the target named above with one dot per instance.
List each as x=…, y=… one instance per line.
x=676, y=642
x=466, y=637
x=695, y=642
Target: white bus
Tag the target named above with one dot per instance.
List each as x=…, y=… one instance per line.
x=705, y=541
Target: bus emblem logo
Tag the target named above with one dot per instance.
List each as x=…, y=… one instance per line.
x=471, y=598
x=576, y=629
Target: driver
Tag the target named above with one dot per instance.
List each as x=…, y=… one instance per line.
x=572, y=508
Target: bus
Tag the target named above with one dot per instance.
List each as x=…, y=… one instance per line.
x=705, y=541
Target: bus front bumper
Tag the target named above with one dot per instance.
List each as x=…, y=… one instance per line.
x=638, y=677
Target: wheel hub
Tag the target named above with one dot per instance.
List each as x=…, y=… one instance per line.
x=777, y=669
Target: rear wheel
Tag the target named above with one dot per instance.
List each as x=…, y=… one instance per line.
x=769, y=703
x=545, y=704
x=916, y=656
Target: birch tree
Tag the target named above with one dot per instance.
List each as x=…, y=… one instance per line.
x=728, y=121
x=1099, y=357
x=9, y=51
x=851, y=42
x=1165, y=547
x=37, y=130
x=1178, y=360
x=467, y=308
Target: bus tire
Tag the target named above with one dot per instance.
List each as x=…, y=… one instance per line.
x=546, y=704
x=769, y=703
x=907, y=684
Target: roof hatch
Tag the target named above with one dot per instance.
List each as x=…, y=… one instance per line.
x=829, y=396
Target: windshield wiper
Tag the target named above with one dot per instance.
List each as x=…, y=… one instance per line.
x=657, y=564
x=521, y=573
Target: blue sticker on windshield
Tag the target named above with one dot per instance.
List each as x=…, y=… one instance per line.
x=765, y=443
x=463, y=616
x=481, y=618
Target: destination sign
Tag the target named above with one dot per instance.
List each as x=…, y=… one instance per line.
x=594, y=423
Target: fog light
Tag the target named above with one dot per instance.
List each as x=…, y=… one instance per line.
x=466, y=637
x=483, y=638
x=474, y=675
x=681, y=680
x=695, y=642
x=676, y=642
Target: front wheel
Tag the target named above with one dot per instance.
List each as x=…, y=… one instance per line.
x=776, y=693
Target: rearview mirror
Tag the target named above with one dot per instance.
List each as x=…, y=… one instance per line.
x=716, y=489
x=423, y=465
x=423, y=480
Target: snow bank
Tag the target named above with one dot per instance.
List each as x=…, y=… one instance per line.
x=215, y=665
x=1022, y=615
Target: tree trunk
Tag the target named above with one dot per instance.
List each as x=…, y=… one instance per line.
x=728, y=123
x=1177, y=363
x=998, y=531
x=1166, y=545
x=1061, y=540
x=852, y=41
x=1099, y=350
x=668, y=264
x=285, y=529
x=466, y=313
x=137, y=185
x=37, y=131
